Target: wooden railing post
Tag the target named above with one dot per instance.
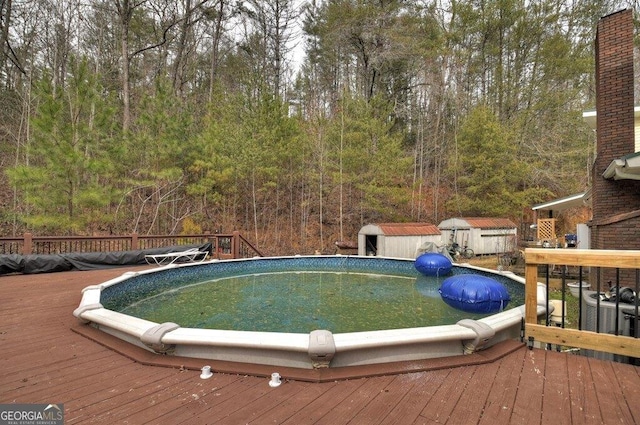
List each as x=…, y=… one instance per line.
x=531, y=294
x=235, y=244
x=212, y=241
x=215, y=250
x=134, y=241
x=27, y=244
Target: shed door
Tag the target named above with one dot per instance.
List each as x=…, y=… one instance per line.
x=371, y=245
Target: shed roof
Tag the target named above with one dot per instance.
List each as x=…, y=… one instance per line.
x=478, y=223
x=408, y=229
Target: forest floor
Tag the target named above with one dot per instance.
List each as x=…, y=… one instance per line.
x=486, y=261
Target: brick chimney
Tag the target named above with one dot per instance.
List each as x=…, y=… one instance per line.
x=615, y=203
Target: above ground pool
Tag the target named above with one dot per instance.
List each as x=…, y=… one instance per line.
x=304, y=312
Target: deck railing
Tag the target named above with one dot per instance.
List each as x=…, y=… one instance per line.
x=223, y=246
x=608, y=271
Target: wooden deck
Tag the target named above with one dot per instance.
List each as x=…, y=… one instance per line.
x=44, y=358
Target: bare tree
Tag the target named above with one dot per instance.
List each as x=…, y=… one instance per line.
x=125, y=10
x=189, y=36
x=274, y=22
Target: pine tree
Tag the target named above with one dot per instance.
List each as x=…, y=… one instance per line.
x=72, y=157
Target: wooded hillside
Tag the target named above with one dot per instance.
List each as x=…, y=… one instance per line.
x=162, y=116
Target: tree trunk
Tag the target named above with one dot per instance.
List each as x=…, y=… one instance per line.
x=125, y=9
x=180, y=48
x=215, y=50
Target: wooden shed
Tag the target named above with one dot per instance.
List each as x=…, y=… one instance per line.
x=400, y=240
x=482, y=235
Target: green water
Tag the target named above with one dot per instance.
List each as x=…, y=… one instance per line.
x=301, y=302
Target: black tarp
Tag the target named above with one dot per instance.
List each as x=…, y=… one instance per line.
x=30, y=264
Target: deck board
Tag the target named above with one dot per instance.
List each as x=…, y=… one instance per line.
x=584, y=403
x=352, y=405
x=556, y=384
x=383, y=408
x=209, y=393
x=527, y=407
x=44, y=359
x=423, y=386
x=627, y=377
x=323, y=402
x=501, y=397
x=286, y=409
x=609, y=401
x=263, y=401
x=449, y=393
x=474, y=402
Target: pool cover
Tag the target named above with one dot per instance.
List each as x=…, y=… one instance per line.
x=48, y=263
